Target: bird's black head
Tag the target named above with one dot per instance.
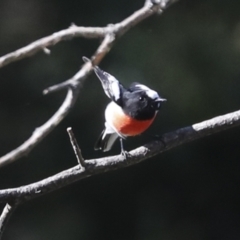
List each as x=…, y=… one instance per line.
x=141, y=102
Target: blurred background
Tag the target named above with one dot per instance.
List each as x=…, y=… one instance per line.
x=191, y=56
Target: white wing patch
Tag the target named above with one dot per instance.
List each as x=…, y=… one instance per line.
x=151, y=93
x=114, y=85
x=110, y=84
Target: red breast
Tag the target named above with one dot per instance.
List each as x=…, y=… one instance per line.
x=129, y=126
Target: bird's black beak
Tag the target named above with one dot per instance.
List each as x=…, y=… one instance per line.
x=160, y=100
x=157, y=102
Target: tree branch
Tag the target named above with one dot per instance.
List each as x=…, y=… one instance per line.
x=57, y=37
x=76, y=148
x=78, y=78
x=100, y=165
x=150, y=8
x=6, y=214
x=110, y=33
x=42, y=131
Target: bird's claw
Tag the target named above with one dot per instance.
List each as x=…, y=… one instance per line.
x=125, y=154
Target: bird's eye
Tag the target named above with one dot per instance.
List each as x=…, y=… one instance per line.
x=141, y=98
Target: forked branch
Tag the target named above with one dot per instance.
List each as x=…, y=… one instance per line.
x=109, y=34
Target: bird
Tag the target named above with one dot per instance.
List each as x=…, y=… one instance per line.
x=130, y=112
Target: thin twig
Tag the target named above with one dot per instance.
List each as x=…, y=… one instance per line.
x=101, y=165
x=104, y=48
x=39, y=45
x=6, y=214
x=79, y=77
x=76, y=148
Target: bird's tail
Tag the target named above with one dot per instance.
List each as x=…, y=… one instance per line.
x=105, y=141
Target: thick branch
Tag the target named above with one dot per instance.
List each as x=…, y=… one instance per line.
x=96, y=166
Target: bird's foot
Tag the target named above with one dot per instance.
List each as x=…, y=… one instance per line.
x=125, y=154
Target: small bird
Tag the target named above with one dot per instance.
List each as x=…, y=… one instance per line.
x=130, y=112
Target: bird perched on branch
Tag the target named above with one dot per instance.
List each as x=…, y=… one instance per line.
x=130, y=112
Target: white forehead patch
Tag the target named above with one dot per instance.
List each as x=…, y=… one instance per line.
x=151, y=93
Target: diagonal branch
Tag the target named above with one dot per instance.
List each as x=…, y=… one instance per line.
x=73, y=85
x=101, y=165
x=78, y=78
x=42, y=131
x=6, y=214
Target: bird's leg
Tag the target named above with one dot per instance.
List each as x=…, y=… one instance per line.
x=123, y=152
